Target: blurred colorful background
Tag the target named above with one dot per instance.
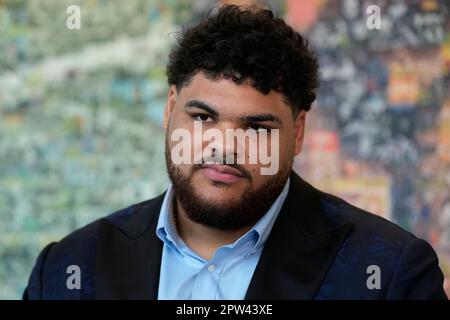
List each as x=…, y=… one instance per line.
x=81, y=111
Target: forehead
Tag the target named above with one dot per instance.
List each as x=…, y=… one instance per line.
x=228, y=97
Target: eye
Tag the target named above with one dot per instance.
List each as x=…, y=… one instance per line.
x=259, y=128
x=202, y=117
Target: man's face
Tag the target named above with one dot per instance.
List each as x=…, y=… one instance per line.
x=223, y=105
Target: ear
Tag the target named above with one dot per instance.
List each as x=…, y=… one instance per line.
x=170, y=105
x=299, y=129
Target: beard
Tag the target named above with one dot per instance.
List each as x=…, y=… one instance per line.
x=229, y=215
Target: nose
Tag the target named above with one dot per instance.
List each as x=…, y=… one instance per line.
x=221, y=154
x=223, y=147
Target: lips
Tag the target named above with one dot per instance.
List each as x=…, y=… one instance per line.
x=221, y=173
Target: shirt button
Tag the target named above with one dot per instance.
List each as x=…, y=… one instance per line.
x=211, y=268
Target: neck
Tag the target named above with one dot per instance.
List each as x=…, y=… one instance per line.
x=202, y=239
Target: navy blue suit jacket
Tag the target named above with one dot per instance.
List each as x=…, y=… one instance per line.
x=320, y=247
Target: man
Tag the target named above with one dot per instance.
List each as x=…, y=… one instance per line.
x=228, y=227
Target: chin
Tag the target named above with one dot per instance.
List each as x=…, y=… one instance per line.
x=219, y=194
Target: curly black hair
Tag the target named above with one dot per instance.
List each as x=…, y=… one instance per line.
x=247, y=44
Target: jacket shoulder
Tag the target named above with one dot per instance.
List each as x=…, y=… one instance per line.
x=408, y=266
x=76, y=250
x=84, y=238
x=366, y=225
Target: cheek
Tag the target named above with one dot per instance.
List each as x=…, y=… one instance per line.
x=179, y=149
x=287, y=146
x=189, y=138
x=279, y=151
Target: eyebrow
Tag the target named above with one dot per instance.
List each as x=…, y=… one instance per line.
x=249, y=118
x=261, y=118
x=202, y=105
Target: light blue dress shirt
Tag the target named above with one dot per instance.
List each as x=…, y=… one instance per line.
x=187, y=276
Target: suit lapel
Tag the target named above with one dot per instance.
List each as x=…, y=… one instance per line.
x=300, y=249
x=129, y=257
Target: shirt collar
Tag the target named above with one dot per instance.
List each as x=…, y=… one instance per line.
x=259, y=233
x=265, y=224
x=165, y=229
